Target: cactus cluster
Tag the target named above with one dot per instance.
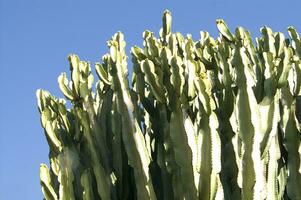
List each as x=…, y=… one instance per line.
x=207, y=119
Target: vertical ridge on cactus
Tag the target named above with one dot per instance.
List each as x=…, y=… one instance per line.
x=207, y=119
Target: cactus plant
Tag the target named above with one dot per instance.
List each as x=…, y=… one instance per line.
x=207, y=119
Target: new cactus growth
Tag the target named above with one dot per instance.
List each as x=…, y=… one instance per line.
x=207, y=119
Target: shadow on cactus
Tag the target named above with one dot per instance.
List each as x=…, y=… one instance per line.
x=207, y=119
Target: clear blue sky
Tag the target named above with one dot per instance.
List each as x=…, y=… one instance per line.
x=37, y=35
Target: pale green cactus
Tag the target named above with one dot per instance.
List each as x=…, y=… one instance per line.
x=208, y=119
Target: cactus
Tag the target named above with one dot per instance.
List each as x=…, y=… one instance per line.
x=207, y=119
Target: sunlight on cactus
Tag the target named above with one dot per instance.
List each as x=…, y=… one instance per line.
x=207, y=119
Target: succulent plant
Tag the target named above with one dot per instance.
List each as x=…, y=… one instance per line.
x=207, y=119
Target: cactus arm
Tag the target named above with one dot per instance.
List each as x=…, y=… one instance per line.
x=215, y=155
x=82, y=81
x=205, y=165
x=96, y=130
x=268, y=40
x=132, y=136
x=292, y=142
x=65, y=175
x=166, y=155
x=47, y=188
x=102, y=179
x=224, y=30
x=273, y=150
x=294, y=178
x=245, y=126
x=210, y=147
x=282, y=181
x=102, y=74
x=245, y=130
x=183, y=154
x=286, y=66
x=148, y=69
x=86, y=182
x=229, y=170
x=192, y=142
x=85, y=93
x=167, y=20
x=75, y=72
x=296, y=42
x=49, y=129
x=274, y=155
x=117, y=146
x=63, y=83
x=279, y=43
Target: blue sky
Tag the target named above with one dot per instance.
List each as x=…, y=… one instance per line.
x=36, y=36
